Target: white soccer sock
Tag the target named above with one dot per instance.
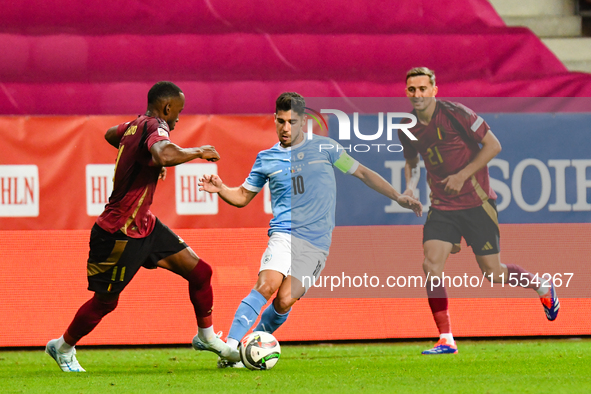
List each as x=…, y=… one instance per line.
x=62, y=346
x=448, y=337
x=232, y=343
x=206, y=334
x=544, y=286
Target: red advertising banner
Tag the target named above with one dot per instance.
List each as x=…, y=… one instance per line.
x=55, y=174
x=43, y=282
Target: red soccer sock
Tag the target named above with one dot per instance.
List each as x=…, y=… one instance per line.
x=201, y=293
x=87, y=318
x=515, y=269
x=439, y=304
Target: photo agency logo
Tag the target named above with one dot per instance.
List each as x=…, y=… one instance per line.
x=394, y=121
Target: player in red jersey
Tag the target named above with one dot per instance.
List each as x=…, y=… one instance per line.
x=449, y=136
x=127, y=236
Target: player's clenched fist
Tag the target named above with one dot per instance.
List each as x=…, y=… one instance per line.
x=453, y=184
x=209, y=153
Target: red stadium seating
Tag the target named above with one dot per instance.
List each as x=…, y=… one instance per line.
x=61, y=57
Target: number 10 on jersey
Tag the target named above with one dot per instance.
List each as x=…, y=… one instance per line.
x=297, y=183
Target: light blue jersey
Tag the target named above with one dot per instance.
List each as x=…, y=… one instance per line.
x=273, y=165
x=303, y=187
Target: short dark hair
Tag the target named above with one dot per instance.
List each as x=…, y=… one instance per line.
x=418, y=71
x=290, y=101
x=163, y=90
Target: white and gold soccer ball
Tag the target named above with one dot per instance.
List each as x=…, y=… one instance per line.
x=259, y=350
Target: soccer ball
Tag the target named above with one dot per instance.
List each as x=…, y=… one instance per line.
x=259, y=350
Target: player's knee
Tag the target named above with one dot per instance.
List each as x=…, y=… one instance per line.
x=431, y=267
x=266, y=289
x=283, y=303
x=201, y=274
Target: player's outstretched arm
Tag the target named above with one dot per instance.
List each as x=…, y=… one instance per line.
x=490, y=148
x=111, y=137
x=380, y=185
x=412, y=174
x=235, y=196
x=167, y=154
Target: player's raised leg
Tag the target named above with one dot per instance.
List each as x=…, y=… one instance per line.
x=198, y=273
x=307, y=262
x=248, y=311
x=491, y=266
x=436, y=253
x=543, y=286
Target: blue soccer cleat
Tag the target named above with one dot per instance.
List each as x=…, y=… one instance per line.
x=442, y=347
x=551, y=303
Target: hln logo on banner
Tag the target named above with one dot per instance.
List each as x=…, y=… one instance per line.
x=99, y=186
x=189, y=200
x=19, y=188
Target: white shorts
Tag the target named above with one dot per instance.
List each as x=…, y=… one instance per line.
x=294, y=256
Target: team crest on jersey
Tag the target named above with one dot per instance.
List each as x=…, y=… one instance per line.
x=267, y=258
x=162, y=132
x=301, y=155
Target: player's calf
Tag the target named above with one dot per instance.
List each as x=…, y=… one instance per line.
x=200, y=291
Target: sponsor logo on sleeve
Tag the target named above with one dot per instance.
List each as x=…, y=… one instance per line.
x=162, y=132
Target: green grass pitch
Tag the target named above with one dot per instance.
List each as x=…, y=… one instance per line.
x=499, y=366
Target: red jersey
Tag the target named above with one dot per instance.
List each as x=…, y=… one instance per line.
x=135, y=179
x=447, y=144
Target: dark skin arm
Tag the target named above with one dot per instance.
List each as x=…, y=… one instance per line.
x=167, y=154
x=111, y=137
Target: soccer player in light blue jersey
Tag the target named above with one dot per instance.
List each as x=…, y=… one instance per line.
x=303, y=199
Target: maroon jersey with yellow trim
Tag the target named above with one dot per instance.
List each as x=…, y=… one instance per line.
x=135, y=179
x=447, y=144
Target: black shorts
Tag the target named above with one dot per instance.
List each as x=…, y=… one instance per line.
x=479, y=226
x=114, y=259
